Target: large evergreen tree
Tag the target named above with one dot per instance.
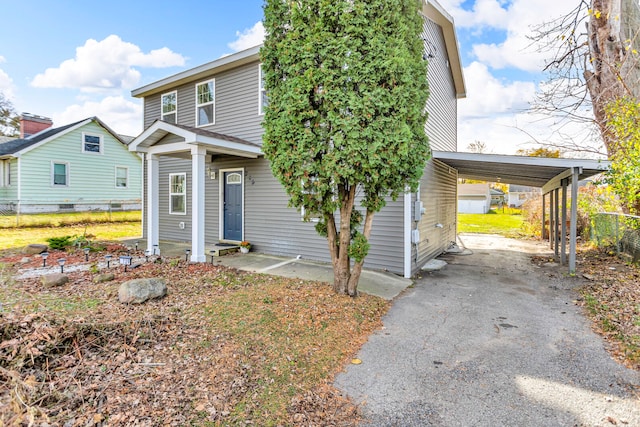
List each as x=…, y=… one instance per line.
x=347, y=88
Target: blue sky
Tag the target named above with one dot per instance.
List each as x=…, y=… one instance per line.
x=69, y=60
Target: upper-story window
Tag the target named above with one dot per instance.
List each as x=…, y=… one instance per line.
x=170, y=107
x=263, y=100
x=205, y=103
x=91, y=143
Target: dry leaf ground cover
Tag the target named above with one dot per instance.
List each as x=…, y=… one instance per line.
x=612, y=299
x=222, y=348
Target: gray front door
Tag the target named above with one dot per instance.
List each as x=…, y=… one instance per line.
x=232, y=211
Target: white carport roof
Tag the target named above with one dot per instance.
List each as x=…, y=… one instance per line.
x=542, y=172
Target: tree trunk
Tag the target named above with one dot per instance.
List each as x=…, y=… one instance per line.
x=615, y=69
x=339, y=241
x=352, y=288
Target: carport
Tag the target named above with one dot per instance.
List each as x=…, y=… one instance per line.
x=552, y=175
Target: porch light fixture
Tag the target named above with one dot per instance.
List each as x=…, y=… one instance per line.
x=213, y=173
x=86, y=253
x=186, y=254
x=61, y=261
x=126, y=261
x=108, y=259
x=44, y=256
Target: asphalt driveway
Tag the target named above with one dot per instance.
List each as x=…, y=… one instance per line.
x=491, y=340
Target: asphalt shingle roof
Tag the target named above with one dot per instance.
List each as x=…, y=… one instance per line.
x=15, y=145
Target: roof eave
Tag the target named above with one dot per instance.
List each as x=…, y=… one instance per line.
x=202, y=71
x=432, y=10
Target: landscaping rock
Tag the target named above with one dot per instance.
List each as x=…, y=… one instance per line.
x=138, y=291
x=25, y=260
x=104, y=277
x=34, y=249
x=54, y=280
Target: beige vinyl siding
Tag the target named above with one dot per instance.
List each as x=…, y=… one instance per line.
x=441, y=126
x=438, y=190
x=236, y=104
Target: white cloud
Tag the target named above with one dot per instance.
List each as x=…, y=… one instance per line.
x=122, y=115
x=248, y=38
x=6, y=84
x=487, y=95
x=106, y=64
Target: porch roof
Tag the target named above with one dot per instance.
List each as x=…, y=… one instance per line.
x=147, y=141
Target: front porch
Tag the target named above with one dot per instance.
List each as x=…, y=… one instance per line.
x=164, y=139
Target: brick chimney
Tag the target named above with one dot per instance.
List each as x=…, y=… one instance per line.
x=31, y=124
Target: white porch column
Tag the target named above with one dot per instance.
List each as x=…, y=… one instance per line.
x=198, y=155
x=153, y=202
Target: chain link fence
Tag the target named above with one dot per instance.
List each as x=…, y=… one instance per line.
x=16, y=213
x=619, y=231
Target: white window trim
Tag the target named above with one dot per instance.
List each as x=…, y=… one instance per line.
x=162, y=114
x=5, y=173
x=115, y=171
x=68, y=175
x=207, y=103
x=260, y=90
x=171, y=175
x=84, y=135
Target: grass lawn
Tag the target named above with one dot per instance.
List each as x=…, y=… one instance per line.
x=37, y=228
x=507, y=222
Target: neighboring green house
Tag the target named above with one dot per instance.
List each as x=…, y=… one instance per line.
x=78, y=167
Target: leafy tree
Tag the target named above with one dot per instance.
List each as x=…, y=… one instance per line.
x=539, y=152
x=9, y=120
x=347, y=90
x=477, y=147
x=623, y=116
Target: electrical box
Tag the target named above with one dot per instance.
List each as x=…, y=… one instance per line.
x=418, y=210
x=415, y=236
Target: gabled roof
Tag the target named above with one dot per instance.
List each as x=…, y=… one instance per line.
x=19, y=146
x=213, y=141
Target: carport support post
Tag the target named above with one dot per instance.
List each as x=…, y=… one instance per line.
x=551, y=216
x=574, y=219
x=556, y=222
x=543, y=233
x=563, y=253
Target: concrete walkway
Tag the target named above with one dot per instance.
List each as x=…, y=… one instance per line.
x=378, y=283
x=491, y=340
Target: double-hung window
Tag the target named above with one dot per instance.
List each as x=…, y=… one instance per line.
x=60, y=174
x=263, y=100
x=178, y=193
x=122, y=175
x=169, y=105
x=5, y=173
x=205, y=103
x=91, y=143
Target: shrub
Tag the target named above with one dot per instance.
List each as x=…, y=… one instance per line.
x=59, y=243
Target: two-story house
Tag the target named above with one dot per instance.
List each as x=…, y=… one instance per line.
x=207, y=181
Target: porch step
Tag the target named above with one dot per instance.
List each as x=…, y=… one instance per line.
x=221, y=250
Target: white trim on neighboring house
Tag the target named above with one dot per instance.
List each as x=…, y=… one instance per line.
x=407, y=235
x=67, y=174
x=183, y=193
x=261, y=91
x=100, y=143
x=212, y=102
x=221, y=173
x=115, y=171
x=174, y=112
